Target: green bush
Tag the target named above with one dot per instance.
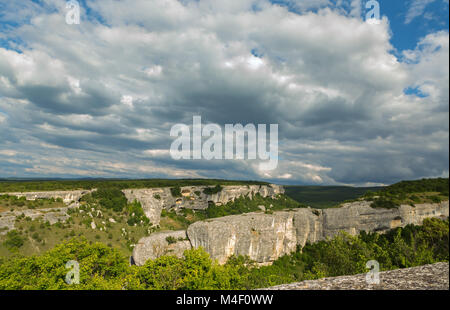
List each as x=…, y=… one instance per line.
x=175, y=191
x=212, y=190
x=171, y=240
x=435, y=199
x=136, y=214
x=245, y=205
x=383, y=203
x=13, y=240
x=100, y=268
x=110, y=198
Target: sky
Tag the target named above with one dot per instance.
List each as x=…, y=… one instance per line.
x=356, y=103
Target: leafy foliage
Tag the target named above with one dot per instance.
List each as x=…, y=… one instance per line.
x=410, y=192
x=212, y=190
x=439, y=185
x=245, y=204
x=384, y=203
x=171, y=240
x=111, y=198
x=136, y=214
x=175, y=191
x=14, y=240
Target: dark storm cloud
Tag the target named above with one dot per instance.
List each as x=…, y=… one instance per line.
x=99, y=98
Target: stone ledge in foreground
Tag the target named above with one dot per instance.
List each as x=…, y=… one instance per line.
x=427, y=277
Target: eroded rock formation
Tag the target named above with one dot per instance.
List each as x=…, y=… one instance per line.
x=52, y=215
x=160, y=244
x=66, y=196
x=153, y=200
x=266, y=237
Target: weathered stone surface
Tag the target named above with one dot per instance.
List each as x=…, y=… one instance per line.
x=152, y=206
x=157, y=245
x=66, y=196
x=265, y=237
x=154, y=200
x=427, y=277
x=52, y=215
x=357, y=216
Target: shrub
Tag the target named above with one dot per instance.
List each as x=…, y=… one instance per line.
x=212, y=190
x=136, y=214
x=36, y=236
x=111, y=198
x=175, y=191
x=383, y=203
x=171, y=240
x=13, y=240
x=435, y=199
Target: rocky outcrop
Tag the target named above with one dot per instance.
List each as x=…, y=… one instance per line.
x=52, y=215
x=160, y=244
x=263, y=237
x=66, y=196
x=427, y=277
x=154, y=200
x=266, y=237
x=358, y=216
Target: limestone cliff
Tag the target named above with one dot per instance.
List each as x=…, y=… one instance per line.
x=158, y=245
x=52, y=215
x=153, y=200
x=66, y=196
x=70, y=198
x=266, y=237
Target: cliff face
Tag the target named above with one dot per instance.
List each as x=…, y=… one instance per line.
x=8, y=218
x=158, y=245
x=153, y=200
x=262, y=237
x=66, y=196
x=358, y=216
x=70, y=198
x=266, y=237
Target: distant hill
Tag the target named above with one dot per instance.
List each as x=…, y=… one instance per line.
x=406, y=192
x=326, y=196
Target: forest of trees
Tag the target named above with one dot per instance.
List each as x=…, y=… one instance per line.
x=49, y=185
